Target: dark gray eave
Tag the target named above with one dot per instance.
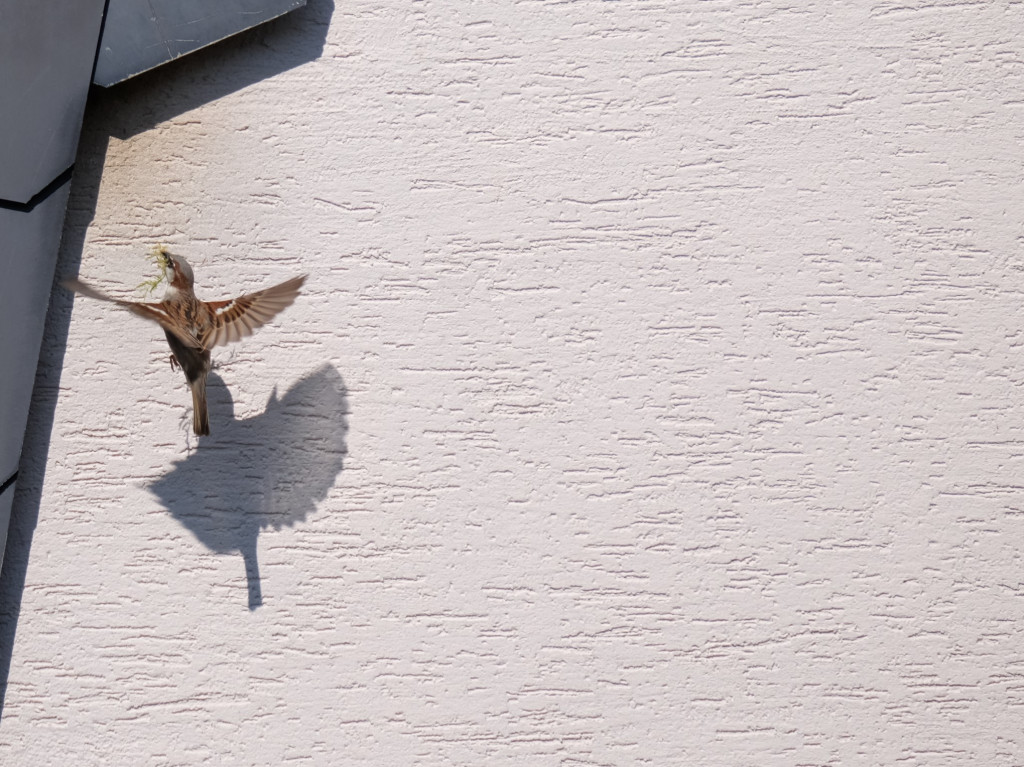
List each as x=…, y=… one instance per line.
x=142, y=34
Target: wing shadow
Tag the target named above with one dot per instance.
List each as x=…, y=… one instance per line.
x=268, y=471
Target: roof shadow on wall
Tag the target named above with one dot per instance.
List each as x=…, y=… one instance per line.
x=125, y=110
x=179, y=86
x=266, y=471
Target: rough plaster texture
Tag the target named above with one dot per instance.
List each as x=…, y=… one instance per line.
x=679, y=345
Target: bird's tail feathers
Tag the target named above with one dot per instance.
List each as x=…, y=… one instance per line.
x=200, y=415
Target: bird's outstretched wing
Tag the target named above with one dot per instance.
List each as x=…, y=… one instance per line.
x=154, y=312
x=239, y=317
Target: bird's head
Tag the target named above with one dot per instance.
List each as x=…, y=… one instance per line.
x=180, y=272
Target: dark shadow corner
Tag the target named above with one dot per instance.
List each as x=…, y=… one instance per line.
x=268, y=471
x=122, y=111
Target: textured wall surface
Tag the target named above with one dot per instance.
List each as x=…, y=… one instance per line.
x=675, y=348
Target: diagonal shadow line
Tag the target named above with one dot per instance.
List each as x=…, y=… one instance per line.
x=121, y=111
x=210, y=73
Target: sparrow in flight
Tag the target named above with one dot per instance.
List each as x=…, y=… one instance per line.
x=193, y=327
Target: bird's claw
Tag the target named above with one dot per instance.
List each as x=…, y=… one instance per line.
x=174, y=363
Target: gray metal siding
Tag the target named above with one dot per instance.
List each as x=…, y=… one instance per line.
x=46, y=57
x=29, y=242
x=6, y=501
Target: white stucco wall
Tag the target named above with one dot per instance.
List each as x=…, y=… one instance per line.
x=676, y=352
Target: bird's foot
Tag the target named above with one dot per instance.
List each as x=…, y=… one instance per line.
x=174, y=363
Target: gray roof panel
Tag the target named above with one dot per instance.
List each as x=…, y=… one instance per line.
x=6, y=500
x=29, y=242
x=46, y=56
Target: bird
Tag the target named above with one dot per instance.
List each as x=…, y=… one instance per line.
x=193, y=327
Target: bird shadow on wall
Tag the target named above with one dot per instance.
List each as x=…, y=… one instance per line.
x=122, y=111
x=268, y=471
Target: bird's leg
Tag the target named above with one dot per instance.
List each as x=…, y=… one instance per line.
x=174, y=363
